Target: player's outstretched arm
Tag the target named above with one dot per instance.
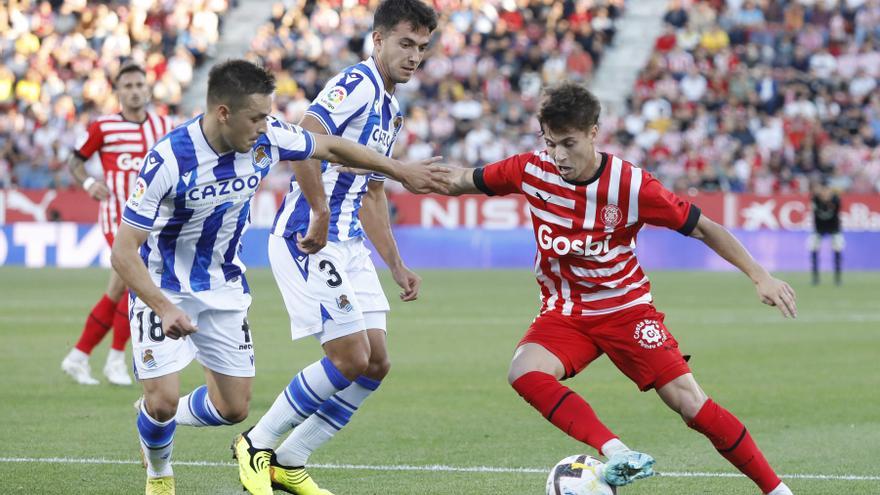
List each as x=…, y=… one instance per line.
x=130, y=267
x=771, y=290
x=460, y=181
x=420, y=177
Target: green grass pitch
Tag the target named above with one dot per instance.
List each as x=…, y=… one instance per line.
x=807, y=390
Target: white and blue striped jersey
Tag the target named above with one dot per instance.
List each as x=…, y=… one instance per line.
x=353, y=105
x=196, y=203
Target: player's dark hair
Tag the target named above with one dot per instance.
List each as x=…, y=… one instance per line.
x=230, y=82
x=392, y=12
x=129, y=68
x=568, y=106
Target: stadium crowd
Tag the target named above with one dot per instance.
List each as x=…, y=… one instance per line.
x=739, y=95
x=764, y=96
x=474, y=97
x=56, y=62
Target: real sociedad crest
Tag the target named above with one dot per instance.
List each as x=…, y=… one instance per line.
x=261, y=157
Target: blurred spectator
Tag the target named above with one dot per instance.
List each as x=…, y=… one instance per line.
x=764, y=96
x=56, y=62
x=473, y=99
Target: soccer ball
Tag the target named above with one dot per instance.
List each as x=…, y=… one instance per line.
x=578, y=475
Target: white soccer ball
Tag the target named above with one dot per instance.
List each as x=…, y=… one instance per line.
x=578, y=475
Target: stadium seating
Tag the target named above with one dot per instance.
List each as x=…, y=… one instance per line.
x=55, y=62
x=759, y=96
x=739, y=95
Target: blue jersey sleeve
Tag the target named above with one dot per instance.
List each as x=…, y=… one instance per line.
x=290, y=142
x=154, y=182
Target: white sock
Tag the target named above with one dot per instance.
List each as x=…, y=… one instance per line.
x=782, y=489
x=612, y=447
x=196, y=409
x=77, y=355
x=115, y=356
x=299, y=400
x=157, y=442
x=320, y=427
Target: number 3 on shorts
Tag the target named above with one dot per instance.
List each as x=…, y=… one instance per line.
x=335, y=279
x=154, y=324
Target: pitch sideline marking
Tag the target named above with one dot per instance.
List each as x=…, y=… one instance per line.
x=436, y=467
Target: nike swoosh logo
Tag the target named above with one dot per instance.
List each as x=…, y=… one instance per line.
x=542, y=198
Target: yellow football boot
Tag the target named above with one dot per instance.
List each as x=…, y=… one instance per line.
x=160, y=486
x=253, y=465
x=294, y=480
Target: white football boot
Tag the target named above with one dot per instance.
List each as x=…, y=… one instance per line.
x=116, y=371
x=78, y=368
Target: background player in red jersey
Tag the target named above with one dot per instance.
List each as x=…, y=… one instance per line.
x=121, y=141
x=586, y=209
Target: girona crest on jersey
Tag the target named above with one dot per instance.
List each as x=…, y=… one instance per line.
x=611, y=215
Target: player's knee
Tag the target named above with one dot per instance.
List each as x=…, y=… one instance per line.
x=521, y=366
x=352, y=365
x=161, y=408
x=236, y=414
x=690, y=405
x=378, y=368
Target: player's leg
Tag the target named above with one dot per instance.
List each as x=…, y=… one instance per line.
x=727, y=434
x=535, y=374
x=156, y=425
x=226, y=351
x=115, y=369
x=551, y=350
x=320, y=301
x=813, y=244
x=98, y=323
x=336, y=412
x=837, y=245
x=158, y=361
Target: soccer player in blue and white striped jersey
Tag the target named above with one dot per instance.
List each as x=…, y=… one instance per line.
x=178, y=246
x=332, y=292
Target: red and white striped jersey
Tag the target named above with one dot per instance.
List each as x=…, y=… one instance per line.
x=586, y=232
x=121, y=146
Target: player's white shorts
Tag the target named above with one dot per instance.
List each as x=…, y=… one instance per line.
x=330, y=294
x=814, y=242
x=223, y=342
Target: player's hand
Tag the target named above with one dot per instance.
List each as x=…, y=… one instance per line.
x=409, y=281
x=316, y=236
x=176, y=324
x=422, y=176
x=99, y=191
x=775, y=292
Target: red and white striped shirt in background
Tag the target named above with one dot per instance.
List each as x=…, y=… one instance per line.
x=121, y=146
x=586, y=232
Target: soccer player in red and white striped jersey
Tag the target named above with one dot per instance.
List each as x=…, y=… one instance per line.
x=121, y=141
x=586, y=209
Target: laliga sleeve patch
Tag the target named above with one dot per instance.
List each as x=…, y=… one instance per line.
x=140, y=188
x=333, y=98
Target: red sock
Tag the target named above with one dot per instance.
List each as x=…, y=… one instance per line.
x=564, y=408
x=732, y=440
x=97, y=325
x=121, y=330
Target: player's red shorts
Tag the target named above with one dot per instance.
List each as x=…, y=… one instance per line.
x=636, y=341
